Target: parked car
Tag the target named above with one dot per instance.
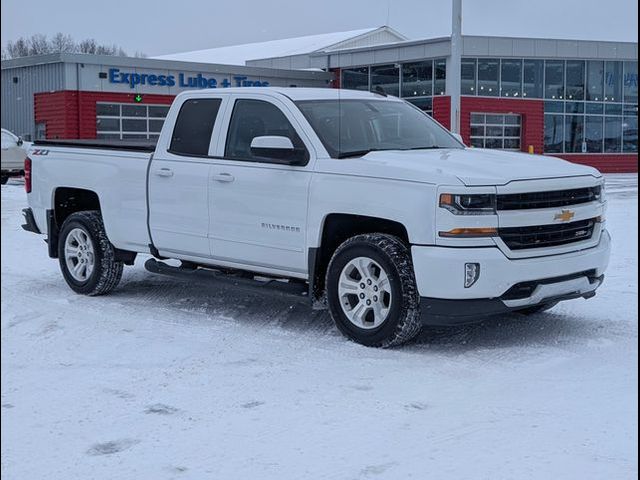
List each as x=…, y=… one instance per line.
x=359, y=200
x=14, y=151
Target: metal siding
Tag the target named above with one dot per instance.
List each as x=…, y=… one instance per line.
x=546, y=48
x=500, y=47
x=588, y=50
x=17, y=98
x=523, y=48
x=388, y=55
x=475, y=46
x=567, y=48
x=413, y=52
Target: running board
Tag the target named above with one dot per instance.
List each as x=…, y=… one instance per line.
x=253, y=283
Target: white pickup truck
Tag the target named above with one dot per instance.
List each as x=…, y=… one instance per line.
x=358, y=200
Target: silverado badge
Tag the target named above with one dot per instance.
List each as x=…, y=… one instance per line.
x=564, y=215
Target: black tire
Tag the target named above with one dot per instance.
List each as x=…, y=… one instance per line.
x=392, y=254
x=543, y=307
x=4, y=180
x=107, y=272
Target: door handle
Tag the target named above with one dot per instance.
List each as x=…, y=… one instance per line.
x=164, y=172
x=223, y=177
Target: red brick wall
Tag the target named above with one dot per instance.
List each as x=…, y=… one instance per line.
x=72, y=115
x=531, y=111
x=59, y=112
x=442, y=110
x=335, y=83
x=605, y=162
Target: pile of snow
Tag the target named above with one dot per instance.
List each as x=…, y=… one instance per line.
x=167, y=380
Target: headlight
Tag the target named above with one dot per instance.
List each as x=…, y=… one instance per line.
x=477, y=204
x=603, y=195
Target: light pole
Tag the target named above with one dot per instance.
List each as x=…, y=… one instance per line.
x=455, y=64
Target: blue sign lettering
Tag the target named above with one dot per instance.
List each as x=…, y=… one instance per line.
x=184, y=81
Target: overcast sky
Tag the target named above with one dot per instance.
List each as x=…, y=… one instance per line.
x=156, y=28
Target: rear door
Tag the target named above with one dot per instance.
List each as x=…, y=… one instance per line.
x=179, y=178
x=258, y=209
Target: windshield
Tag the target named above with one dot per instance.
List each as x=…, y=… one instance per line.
x=351, y=128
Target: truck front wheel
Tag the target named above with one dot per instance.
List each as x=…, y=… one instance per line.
x=86, y=256
x=371, y=291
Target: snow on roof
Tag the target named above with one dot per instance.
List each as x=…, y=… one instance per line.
x=239, y=54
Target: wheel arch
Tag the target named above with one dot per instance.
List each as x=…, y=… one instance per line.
x=67, y=201
x=337, y=228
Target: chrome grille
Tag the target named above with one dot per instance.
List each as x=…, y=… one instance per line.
x=556, y=198
x=538, y=236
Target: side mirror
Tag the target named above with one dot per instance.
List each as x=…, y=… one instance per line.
x=277, y=148
x=19, y=142
x=458, y=137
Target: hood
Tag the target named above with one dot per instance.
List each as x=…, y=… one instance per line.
x=470, y=166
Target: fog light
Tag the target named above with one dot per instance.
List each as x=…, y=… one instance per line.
x=471, y=274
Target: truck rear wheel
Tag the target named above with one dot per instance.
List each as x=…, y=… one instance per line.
x=371, y=291
x=86, y=256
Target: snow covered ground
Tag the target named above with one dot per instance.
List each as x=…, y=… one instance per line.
x=163, y=379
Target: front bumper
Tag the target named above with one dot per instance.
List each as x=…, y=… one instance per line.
x=504, y=284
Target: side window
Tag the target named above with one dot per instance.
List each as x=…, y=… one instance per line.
x=256, y=118
x=194, y=125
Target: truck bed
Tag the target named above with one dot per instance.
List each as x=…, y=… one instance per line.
x=115, y=171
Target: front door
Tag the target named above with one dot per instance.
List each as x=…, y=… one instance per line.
x=179, y=181
x=258, y=209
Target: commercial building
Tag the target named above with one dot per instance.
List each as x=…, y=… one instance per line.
x=95, y=96
x=574, y=99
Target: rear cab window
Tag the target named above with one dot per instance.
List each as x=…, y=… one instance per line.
x=194, y=126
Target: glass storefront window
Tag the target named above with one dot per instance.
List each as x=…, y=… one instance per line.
x=573, y=133
x=630, y=82
x=439, y=85
x=575, y=80
x=613, y=81
x=488, y=77
x=387, y=77
x=553, y=133
x=511, y=78
x=574, y=107
x=533, y=71
x=468, y=71
x=553, y=107
x=612, y=134
x=595, y=80
x=355, y=78
x=597, y=108
x=554, y=79
x=417, y=79
x=593, y=133
x=630, y=134
x=424, y=104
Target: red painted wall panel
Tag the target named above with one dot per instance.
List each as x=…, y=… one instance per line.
x=605, y=162
x=72, y=115
x=442, y=110
x=531, y=111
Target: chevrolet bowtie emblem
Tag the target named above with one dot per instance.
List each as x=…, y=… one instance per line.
x=564, y=216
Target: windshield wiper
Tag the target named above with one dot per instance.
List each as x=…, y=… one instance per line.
x=358, y=153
